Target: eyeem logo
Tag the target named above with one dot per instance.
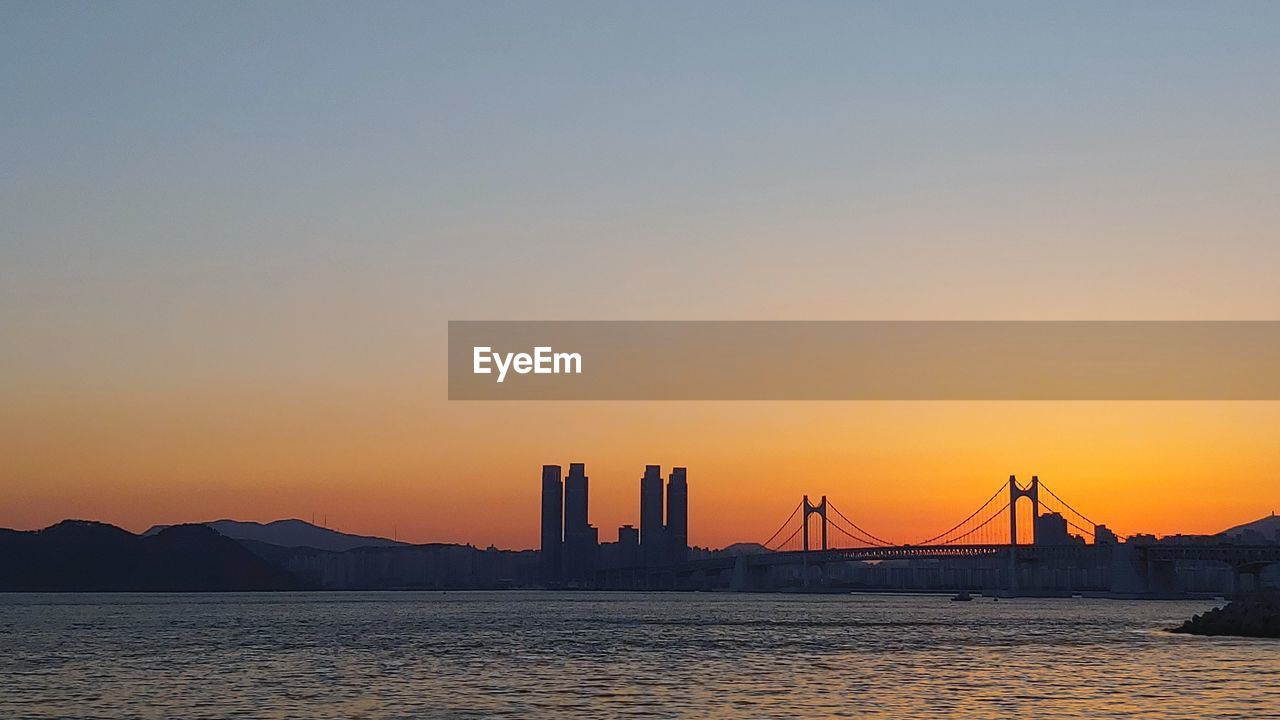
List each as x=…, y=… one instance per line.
x=543, y=361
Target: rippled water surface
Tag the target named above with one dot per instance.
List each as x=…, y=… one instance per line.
x=614, y=654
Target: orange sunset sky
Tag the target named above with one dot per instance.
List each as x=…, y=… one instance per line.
x=229, y=248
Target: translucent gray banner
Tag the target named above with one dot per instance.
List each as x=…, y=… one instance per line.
x=861, y=360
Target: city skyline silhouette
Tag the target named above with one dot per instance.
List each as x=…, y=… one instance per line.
x=622, y=360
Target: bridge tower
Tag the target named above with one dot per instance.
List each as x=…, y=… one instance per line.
x=810, y=509
x=821, y=510
x=1017, y=491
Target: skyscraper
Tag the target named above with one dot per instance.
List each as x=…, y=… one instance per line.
x=628, y=546
x=677, y=528
x=651, y=526
x=552, y=511
x=580, y=539
x=1102, y=535
x=1051, y=529
x=575, y=499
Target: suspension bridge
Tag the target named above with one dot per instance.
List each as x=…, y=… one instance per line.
x=1003, y=546
x=823, y=526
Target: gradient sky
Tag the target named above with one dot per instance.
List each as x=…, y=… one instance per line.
x=231, y=235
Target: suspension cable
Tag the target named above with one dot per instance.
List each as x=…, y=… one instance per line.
x=1066, y=519
x=786, y=522
x=971, y=516
x=854, y=525
x=1074, y=526
x=856, y=537
x=984, y=523
x=864, y=540
x=1066, y=504
x=1082, y=516
x=847, y=534
x=790, y=537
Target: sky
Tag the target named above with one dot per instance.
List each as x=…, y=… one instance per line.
x=232, y=235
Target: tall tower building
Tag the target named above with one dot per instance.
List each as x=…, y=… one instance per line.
x=651, y=528
x=580, y=539
x=550, y=557
x=677, y=530
x=575, y=499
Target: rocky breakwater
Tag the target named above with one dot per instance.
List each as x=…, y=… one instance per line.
x=1251, y=616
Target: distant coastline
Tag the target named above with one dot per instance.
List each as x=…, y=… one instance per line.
x=285, y=555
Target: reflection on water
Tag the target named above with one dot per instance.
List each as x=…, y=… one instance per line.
x=613, y=654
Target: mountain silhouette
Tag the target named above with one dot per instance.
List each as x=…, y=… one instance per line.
x=745, y=548
x=1266, y=530
x=85, y=556
x=292, y=533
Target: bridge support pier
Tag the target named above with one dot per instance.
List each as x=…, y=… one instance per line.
x=1238, y=585
x=1128, y=570
x=748, y=577
x=1162, y=577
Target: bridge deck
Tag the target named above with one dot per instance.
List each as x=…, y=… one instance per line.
x=1229, y=554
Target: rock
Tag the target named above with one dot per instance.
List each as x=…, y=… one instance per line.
x=1252, y=616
